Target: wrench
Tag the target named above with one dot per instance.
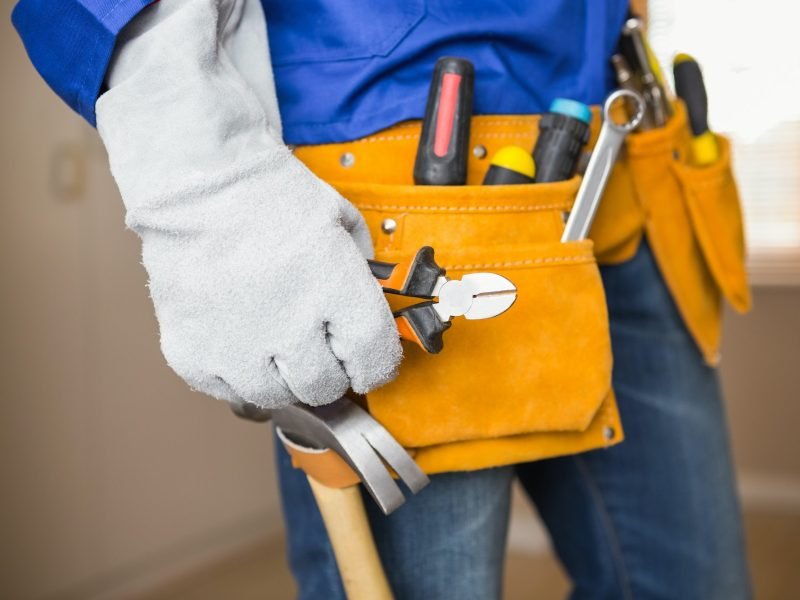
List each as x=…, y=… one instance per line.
x=604, y=155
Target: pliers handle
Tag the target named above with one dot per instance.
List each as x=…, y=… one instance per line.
x=474, y=296
x=418, y=277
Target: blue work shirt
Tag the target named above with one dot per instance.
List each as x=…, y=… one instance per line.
x=347, y=68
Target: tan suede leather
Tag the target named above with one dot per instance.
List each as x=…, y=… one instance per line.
x=325, y=466
x=535, y=382
x=692, y=216
x=532, y=383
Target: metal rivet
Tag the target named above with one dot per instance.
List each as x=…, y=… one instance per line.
x=388, y=226
x=609, y=433
x=347, y=160
x=479, y=151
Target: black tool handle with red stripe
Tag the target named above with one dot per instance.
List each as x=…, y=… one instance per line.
x=444, y=141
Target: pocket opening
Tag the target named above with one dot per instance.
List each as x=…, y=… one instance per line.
x=712, y=200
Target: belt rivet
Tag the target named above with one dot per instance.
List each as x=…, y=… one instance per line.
x=347, y=160
x=388, y=226
x=479, y=151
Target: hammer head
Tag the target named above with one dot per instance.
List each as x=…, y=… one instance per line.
x=363, y=443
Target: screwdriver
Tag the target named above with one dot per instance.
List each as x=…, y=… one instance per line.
x=563, y=132
x=444, y=141
x=604, y=156
x=691, y=89
x=510, y=165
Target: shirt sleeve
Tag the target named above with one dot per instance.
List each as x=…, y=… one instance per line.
x=70, y=42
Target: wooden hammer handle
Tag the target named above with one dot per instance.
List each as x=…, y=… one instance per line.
x=351, y=537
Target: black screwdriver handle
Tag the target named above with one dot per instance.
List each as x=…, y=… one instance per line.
x=690, y=87
x=444, y=141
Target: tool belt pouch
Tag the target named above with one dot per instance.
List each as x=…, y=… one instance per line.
x=531, y=383
x=693, y=220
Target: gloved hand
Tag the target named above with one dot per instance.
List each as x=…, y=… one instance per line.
x=257, y=268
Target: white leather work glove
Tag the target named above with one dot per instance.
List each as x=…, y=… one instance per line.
x=257, y=268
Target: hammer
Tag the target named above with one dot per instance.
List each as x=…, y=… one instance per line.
x=369, y=450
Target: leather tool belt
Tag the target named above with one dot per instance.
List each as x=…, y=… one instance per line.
x=534, y=382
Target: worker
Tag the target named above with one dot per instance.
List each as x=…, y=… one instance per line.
x=257, y=273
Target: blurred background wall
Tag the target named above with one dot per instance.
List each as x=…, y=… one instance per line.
x=112, y=473
x=114, y=476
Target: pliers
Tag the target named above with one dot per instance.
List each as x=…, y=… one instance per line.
x=475, y=296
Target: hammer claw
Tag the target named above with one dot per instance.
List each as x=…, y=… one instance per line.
x=397, y=458
x=372, y=473
x=359, y=440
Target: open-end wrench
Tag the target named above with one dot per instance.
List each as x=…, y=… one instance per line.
x=604, y=155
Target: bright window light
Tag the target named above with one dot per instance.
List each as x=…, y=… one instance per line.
x=750, y=56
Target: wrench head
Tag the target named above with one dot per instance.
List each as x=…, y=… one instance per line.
x=633, y=122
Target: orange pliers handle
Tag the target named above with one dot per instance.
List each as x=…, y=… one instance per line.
x=416, y=278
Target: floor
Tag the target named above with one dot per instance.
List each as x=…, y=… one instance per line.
x=260, y=573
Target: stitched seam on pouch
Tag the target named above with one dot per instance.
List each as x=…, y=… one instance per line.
x=523, y=134
x=502, y=122
x=415, y=136
x=479, y=123
x=520, y=263
x=476, y=127
x=388, y=138
x=508, y=207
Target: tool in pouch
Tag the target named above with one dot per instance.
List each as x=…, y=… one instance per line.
x=649, y=78
x=690, y=87
x=474, y=296
x=604, y=155
x=442, y=160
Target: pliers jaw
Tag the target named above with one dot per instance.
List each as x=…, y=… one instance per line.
x=474, y=296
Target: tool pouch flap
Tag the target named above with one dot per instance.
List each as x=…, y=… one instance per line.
x=544, y=365
x=712, y=200
x=694, y=224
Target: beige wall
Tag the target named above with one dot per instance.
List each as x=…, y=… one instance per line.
x=109, y=467
x=111, y=471
x=761, y=378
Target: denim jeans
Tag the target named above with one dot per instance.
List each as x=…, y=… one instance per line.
x=654, y=517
